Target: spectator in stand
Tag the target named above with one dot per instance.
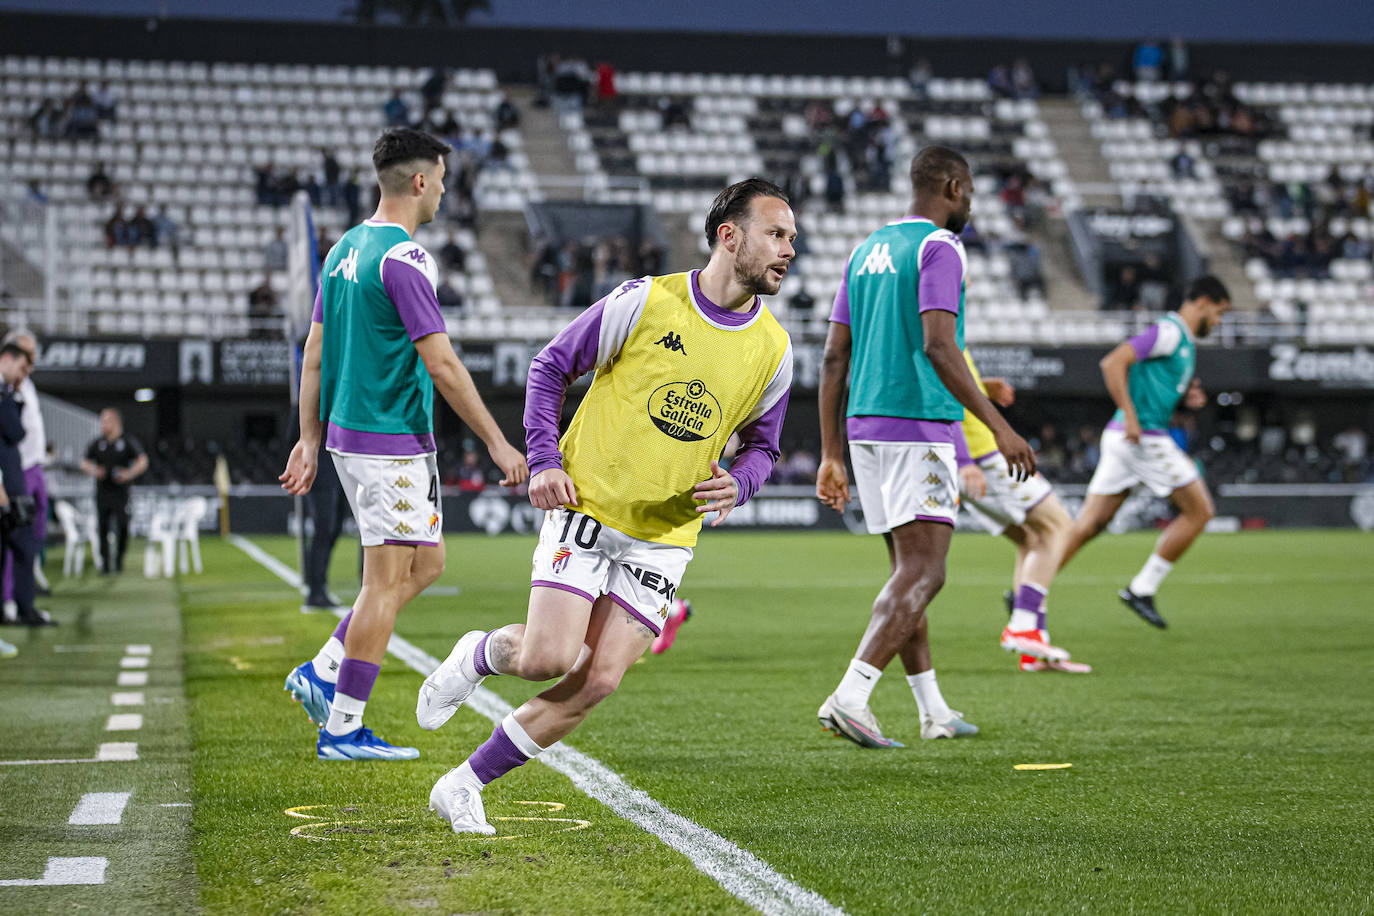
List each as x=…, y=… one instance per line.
x=34, y=193
x=46, y=120
x=105, y=102
x=570, y=83
x=1023, y=84
x=506, y=114
x=99, y=186
x=919, y=78
x=1183, y=164
x=144, y=232
x=999, y=81
x=274, y=253
x=117, y=229
x=452, y=254
x=330, y=191
x=83, y=123
x=1125, y=292
x=262, y=310
x=322, y=243
x=432, y=89
x=543, y=266
x=165, y=231
x=605, y=83
x=674, y=112
x=396, y=111
x=470, y=476
x=448, y=294
x=1148, y=61
x=352, y=192
x=1352, y=446
x=265, y=184
x=498, y=154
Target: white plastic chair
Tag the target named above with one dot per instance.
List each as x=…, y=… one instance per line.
x=187, y=529
x=161, y=539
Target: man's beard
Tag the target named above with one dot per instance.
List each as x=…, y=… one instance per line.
x=957, y=222
x=753, y=284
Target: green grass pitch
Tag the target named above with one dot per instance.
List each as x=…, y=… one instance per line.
x=1220, y=766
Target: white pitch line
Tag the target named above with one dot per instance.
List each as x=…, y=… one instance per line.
x=124, y=722
x=65, y=870
x=134, y=661
x=110, y=751
x=175, y=805
x=132, y=679
x=138, y=649
x=736, y=870
x=132, y=698
x=100, y=808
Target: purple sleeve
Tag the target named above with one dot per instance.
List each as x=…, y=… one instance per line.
x=942, y=275
x=567, y=356
x=409, y=289
x=758, y=450
x=318, y=315
x=1144, y=342
x=839, y=312
x=961, y=454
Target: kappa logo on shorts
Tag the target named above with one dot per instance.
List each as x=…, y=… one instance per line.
x=402, y=461
x=933, y=503
x=402, y=506
x=403, y=528
x=933, y=479
x=663, y=613
x=403, y=482
x=931, y=456
x=560, y=559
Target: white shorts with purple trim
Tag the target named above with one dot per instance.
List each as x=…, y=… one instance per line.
x=1155, y=461
x=579, y=554
x=901, y=482
x=395, y=499
x=1007, y=501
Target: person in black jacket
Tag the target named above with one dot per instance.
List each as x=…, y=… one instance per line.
x=114, y=460
x=16, y=505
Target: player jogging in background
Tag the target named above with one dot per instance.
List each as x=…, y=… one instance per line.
x=376, y=351
x=1146, y=376
x=897, y=330
x=1032, y=518
x=681, y=362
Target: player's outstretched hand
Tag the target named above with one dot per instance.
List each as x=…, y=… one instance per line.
x=1020, y=457
x=972, y=483
x=720, y=491
x=832, y=484
x=512, y=463
x=551, y=488
x=1000, y=391
x=299, y=475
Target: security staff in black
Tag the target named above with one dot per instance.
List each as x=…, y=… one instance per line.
x=114, y=460
x=16, y=509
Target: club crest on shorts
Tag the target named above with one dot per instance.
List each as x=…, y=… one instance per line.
x=434, y=522
x=560, y=559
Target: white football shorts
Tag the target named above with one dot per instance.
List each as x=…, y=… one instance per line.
x=579, y=554
x=1007, y=501
x=395, y=500
x=1155, y=461
x=901, y=482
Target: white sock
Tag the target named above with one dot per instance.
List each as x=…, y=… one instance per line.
x=1151, y=575
x=928, y=698
x=520, y=738
x=345, y=715
x=328, y=661
x=857, y=684
x=463, y=773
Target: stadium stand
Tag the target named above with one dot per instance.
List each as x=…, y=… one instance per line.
x=189, y=136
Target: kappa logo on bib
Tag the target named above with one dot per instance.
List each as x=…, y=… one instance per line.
x=685, y=410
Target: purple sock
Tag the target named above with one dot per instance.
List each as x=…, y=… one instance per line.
x=479, y=658
x=342, y=628
x=356, y=678
x=497, y=756
x=1030, y=598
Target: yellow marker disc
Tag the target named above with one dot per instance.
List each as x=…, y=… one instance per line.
x=1042, y=766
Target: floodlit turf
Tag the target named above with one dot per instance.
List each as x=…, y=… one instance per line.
x=1219, y=766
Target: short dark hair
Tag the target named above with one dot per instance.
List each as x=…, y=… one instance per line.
x=933, y=166
x=13, y=349
x=402, y=145
x=733, y=203
x=1207, y=287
